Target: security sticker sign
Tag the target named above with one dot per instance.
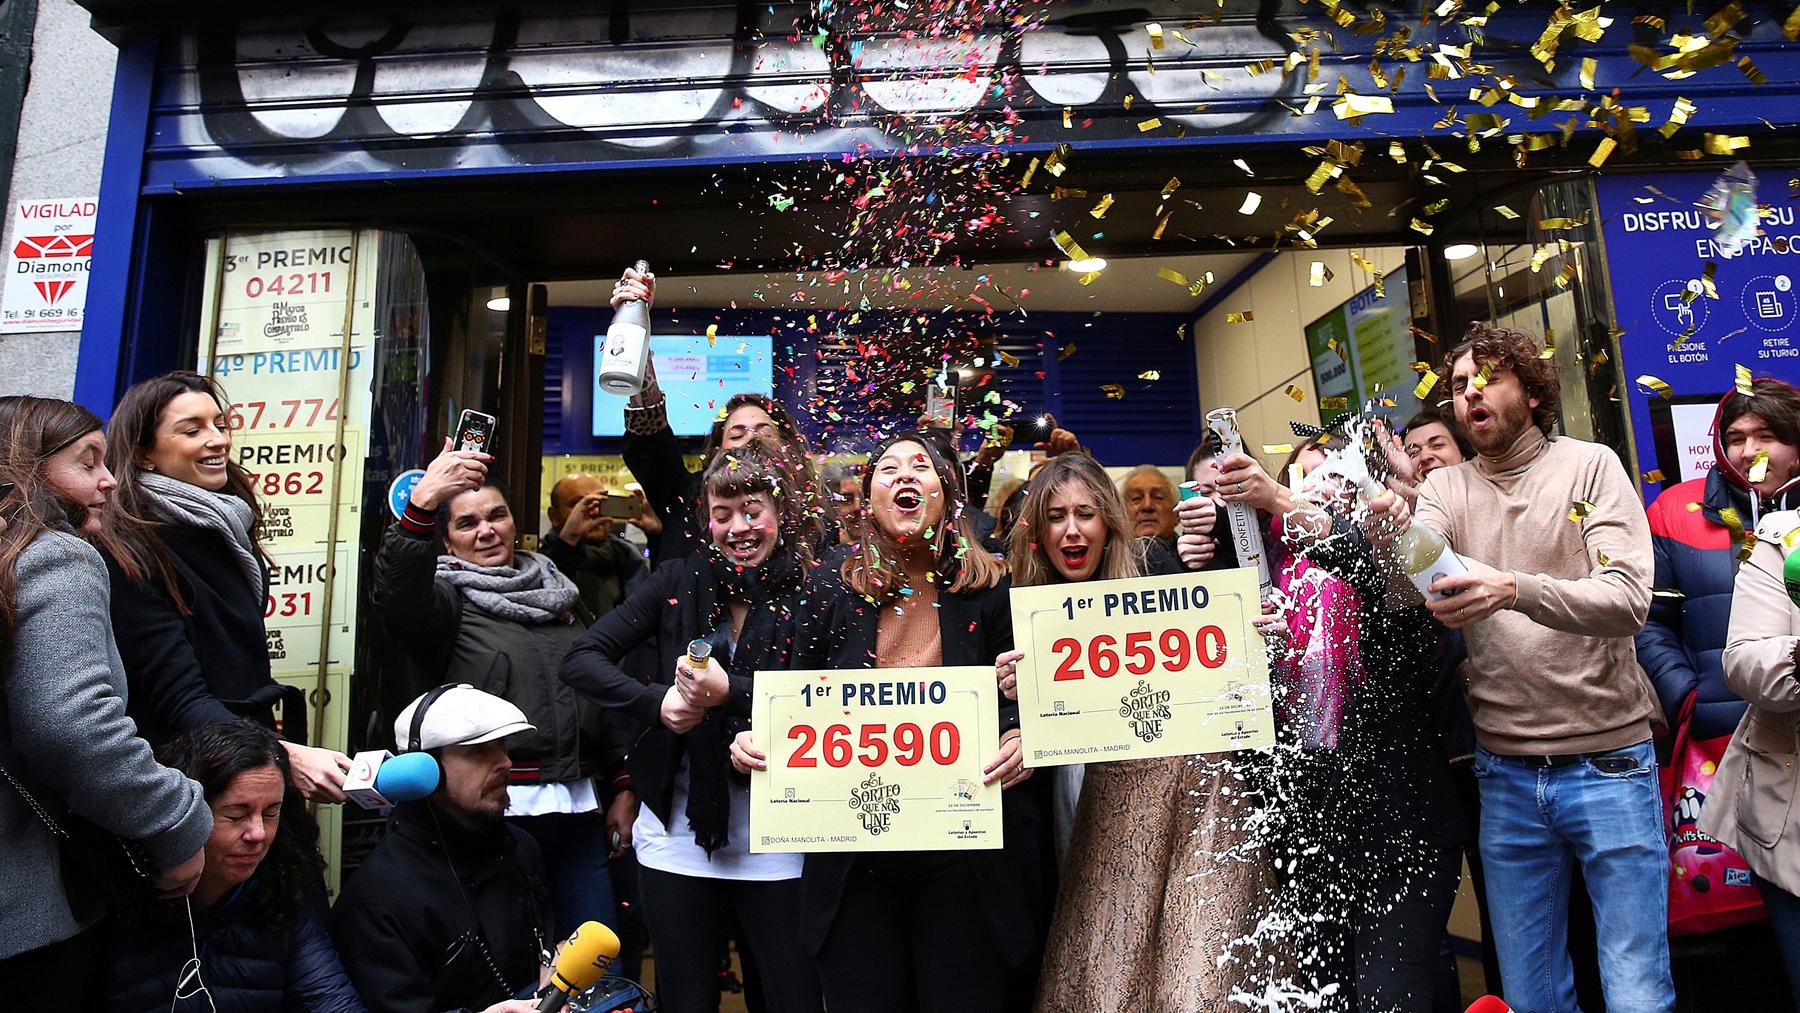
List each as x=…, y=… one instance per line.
x=47, y=265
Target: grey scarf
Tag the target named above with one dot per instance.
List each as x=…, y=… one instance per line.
x=185, y=503
x=532, y=590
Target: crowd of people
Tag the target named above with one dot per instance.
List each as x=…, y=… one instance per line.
x=589, y=718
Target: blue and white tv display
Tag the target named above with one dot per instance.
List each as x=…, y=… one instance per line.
x=696, y=375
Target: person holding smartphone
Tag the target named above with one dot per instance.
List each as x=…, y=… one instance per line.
x=465, y=605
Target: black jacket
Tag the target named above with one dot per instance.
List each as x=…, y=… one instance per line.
x=666, y=611
x=605, y=571
x=450, y=640
x=412, y=922
x=248, y=964
x=210, y=665
x=656, y=461
x=837, y=631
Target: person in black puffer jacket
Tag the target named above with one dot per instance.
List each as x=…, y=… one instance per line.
x=256, y=923
x=501, y=619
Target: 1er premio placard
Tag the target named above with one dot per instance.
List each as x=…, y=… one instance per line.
x=1141, y=668
x=875, y=760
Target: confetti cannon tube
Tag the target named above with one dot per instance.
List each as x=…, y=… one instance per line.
x=1246, y=535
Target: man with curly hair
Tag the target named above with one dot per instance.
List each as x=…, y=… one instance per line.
x=1559, y=565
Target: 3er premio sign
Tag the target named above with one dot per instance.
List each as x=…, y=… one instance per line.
x=47, y=265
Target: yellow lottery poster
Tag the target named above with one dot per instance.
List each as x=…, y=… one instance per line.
x=876, y=760
x=1133, y=669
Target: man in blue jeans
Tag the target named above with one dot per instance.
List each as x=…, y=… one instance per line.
x=1557, y=550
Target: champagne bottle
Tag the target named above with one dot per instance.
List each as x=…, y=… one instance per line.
x=627, y=351
x=1422, y=553
x=1246, y=534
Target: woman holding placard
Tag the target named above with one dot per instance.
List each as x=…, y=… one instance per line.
x=901, y=931
x=731, y=604
x=1161, y=884
x=1361, y=771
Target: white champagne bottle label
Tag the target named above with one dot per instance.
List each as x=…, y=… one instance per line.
x=622, y=363
x=1446, y=564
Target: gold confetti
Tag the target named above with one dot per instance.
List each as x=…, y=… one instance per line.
x=1161, y=224
x=1654, y=475
x=1068, y=117
x=1102, y=207
x=1661, y=387
x=1065, y=351
x=1252, y=201
x=712, y=334
x=1339, y=403
x=1056, y=163
x=1148, y=125
x=1602, y=152
x=1008, y=358
x=1350, y=106
x=1422, y=228
x=1170, y=187
x=1172, y=275
x=1486, y=374
x=1299, y=395
x=1088, y=278
x=1749, y=548
x=1506, y=212
x=1723, y=144
x=1426, y=382
x=1318, y=274
x=1792, y=538
x=1588, y=66
x=1277, y=449
x=1128, y=100
x=1709, y=279
x=1113, y=391
x=1759, y=467
x=1751, y=72
x=1678, y=116
x=1030, y=171
x=1069, y=246
x=1150, y=374
x=1791, y=29
x=1155, y=32
x=1743, y=379
x=1058, y=193
x=1397, y=152
x=1240, y=318
x=1725, y=19
x=1579, y=511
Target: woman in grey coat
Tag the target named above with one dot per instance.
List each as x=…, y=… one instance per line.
x=72, y=767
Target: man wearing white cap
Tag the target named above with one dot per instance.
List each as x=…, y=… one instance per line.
x=449, y=911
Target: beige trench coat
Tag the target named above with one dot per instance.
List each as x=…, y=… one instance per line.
x=1752, y=801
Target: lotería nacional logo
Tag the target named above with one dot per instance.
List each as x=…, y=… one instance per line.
x=1146, y=709
x=875, y=804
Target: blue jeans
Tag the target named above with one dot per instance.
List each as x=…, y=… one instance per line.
x=1535, y=824
x=574, y=846
x=1784, y=916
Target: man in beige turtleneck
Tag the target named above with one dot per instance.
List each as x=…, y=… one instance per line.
x=1559, y=559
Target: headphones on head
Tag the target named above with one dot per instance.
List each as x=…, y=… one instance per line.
x=415, y=734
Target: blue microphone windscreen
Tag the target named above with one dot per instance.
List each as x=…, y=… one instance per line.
x=407, y=777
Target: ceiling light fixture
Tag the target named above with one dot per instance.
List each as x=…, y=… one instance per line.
x=1086, y=265
x=1461, y=251
x=500, y=305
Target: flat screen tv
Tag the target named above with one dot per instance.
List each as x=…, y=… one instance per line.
x=698, y=376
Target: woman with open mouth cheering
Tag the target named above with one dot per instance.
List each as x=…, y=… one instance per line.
x=731, y=603
x=1161, y=885
x=899, y=931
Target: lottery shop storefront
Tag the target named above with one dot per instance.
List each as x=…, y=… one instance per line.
x=363, y=221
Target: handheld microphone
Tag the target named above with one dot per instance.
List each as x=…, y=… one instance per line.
x=584, y=958
x=1489, y=1004
x=378, y=779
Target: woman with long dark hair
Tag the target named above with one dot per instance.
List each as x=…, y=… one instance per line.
x=190, y=586
x=1162, y=885
x=72, y=768
x=918, y=930
x=693, y=834
x=252, y=937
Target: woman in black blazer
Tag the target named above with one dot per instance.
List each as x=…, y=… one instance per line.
x=901, y=931
x=190, y=577
x=693, y=835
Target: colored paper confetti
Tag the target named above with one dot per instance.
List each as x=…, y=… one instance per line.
x=1743, y=379
x=1759, y=467
x=1299, y=395
x=1654, y=475
x=1579, y=511
x=1661, y=387
x=1426, y=382
x=1113, y=391
x=1277, y=449
x=1240, y=318
x=1252, y=201
x=1150, y=374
